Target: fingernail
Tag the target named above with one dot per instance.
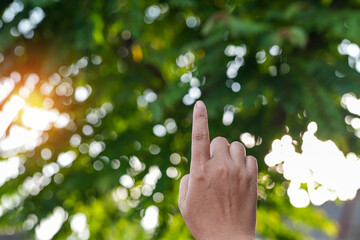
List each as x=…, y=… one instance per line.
x=200, y=104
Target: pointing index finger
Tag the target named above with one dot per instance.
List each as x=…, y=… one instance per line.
x=200, y=143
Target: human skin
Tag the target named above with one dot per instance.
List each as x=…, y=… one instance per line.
x=218, y=198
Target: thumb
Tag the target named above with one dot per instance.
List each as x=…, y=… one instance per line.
x=184, y=184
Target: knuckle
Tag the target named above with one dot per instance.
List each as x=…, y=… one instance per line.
x=223, y=171
x=200, y=136
x=253, y=162
x=201, y=115
x=184, y=178
x=246, y=177
x=238, y=144
x=219, y=140
x=252, y=158
x=235, y=169
x=199, y=178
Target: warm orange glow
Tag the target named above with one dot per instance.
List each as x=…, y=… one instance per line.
x=26, y=115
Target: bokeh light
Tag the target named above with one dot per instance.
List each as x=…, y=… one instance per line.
x=326, y=171
x=146, y=64
x=51, y=225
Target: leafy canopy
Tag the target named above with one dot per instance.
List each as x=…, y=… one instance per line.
x=145, y=62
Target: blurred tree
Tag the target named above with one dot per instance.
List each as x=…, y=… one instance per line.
x=261, y=67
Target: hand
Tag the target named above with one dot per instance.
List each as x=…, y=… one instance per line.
x=218, y=198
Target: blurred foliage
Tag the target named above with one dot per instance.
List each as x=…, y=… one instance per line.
x=140, y=53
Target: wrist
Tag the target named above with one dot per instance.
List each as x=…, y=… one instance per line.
x=230, y=236
x=242, y=237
